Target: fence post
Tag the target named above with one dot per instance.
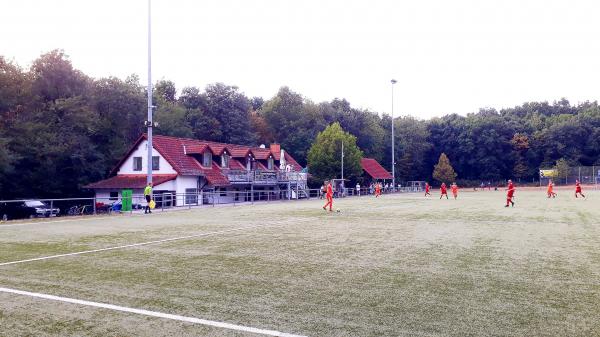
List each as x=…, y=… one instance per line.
x=94, y=204
x=51, y=208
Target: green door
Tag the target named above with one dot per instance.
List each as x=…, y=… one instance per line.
x=126, y=200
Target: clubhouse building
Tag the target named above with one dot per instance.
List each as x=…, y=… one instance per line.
x=184, y=170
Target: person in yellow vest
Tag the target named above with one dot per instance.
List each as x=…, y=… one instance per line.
x=148, y=196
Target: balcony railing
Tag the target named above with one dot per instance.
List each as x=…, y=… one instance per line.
x=264, y=177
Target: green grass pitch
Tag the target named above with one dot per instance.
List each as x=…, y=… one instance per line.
x=400, y=265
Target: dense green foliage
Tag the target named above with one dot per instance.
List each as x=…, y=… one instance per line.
x=61, y=129
x=324, y=156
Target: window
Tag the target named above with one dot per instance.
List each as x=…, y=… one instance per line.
x=114, y=195
x=221, y=191
x=137, y=163
x=155, y=163
x=225, y=160
x=207, y=159
x=191, y=196
x=270, y=163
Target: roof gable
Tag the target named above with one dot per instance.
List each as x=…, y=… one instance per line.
x=374, y=169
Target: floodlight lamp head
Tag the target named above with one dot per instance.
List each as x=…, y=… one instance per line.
x=394, y=81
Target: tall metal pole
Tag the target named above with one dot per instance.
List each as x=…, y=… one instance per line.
x=393, y=141
x=342, y=162
x=343, y=183
x=149, y=122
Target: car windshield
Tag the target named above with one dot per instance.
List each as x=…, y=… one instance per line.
x=34, y=203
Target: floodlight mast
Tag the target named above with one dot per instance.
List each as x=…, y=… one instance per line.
x=149, y=121
x=393, y=141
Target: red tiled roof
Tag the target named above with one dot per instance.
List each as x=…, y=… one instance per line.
x=178, y=152
x=131, y=181
x=291, y=161
x=172, y=150
x=374, y=169
x=261, y=154
x=215, y=176
x=196, y=148
x=234, y=164
x=218, y=149
x=239, y=151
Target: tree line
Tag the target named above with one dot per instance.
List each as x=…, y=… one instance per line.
x=61, y=129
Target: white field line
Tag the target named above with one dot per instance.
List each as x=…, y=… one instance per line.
x=151, y=313
x=136, y=244
x=52, y=221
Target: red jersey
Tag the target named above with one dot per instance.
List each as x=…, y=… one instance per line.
x=577, y=187
x=329, y=191
x=426, y=187
x=443, y=189
x=511, y=190
x=454, y=189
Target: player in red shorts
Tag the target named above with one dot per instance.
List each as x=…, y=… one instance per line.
x=510, y=193
x=329, y=196
x=427, y=188
x=377, y=190
x=551, y=193
x=578, y=189
x=454, y=189
x=444, y=191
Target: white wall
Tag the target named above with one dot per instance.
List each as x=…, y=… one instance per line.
x=142, y=151
x=103, y=195
x=184, y=182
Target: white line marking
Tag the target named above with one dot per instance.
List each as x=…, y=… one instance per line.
x=133, y=245
x=151, y=313
x=52, y=221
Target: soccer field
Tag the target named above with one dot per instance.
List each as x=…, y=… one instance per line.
x=401, y=265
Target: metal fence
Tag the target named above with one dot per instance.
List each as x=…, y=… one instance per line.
x=34, y=208
x=587, y=175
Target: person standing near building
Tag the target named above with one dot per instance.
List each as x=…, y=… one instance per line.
x=377, y=190
x=148, y=197
x=358, y=189
x=427, y=188
x=328, y=196
x=578, y=189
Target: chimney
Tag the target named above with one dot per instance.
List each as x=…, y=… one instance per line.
x=275, y=148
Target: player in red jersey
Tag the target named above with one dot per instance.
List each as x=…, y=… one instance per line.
x=551, y=193
x=427, y=188
x=578, y=189
x=444, y=191
x=328, y=196
x=510, y=193
x=454, y=189
x=377, y=190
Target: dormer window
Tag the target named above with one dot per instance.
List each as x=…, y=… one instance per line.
x=270, y=163
x=225, y=160
x=207, y=159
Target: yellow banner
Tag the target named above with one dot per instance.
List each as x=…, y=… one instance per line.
x=548, y=173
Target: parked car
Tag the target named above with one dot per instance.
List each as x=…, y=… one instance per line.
x=26, y=209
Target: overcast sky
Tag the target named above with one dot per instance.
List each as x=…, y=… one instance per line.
x=448, y=56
